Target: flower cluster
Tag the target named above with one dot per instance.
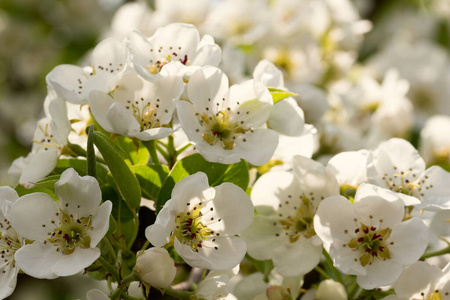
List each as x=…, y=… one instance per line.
x=207, y=152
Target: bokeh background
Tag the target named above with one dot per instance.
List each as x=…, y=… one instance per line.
x=37, y=35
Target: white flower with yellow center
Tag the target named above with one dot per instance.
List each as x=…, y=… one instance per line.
x=397, y=165
x=225, y=123
x=202, y=222
x=66, y=233
x=138, y=108
x=49, y=139
x=422, y=281
x=368, y=238
x=10, y=242
x=283, y=229
x=176, y=43
x=108, y=62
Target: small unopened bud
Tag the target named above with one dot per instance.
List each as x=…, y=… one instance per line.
x=155, y=267
x=278, y=293
x=331, y=290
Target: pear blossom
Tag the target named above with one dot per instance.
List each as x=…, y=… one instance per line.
x=225, y=124
x=108, y=63
x=203, y=222
x=286, y=204
x=10, y=242
x=434, y=143
x=155, y=267
x=368, y=238
x=176, y=43
x=349, y=167
x=66, y=233
x=95, y=294
x=138, y=108
x=422, y=281
x=326, y=290
x=396, y=165
x=286, y=117
x=215, y=285
x=49, y=139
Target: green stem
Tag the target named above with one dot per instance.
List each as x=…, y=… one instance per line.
x=112, y=270
x=119, y=293
x=178, y=294
x=322, y=272
x=329, y=261
x=146, y=244
x=135, y=228
x=110, y=246
x=436, y=253
x=151, y=146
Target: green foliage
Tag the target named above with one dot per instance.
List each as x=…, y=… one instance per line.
x=151, y=178
x=119, y=165
x=217, y=173
x=278, y=95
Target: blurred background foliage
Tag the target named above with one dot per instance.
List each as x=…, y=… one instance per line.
x=37, y=35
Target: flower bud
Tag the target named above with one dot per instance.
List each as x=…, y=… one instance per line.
x=278, y=293
x=331, y=290
x=155, y=267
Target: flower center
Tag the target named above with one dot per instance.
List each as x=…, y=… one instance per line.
x=72, y=233
x=47, y=141
x=9, y=244
x=156, y=65
x=219, y=129
x=371, y=242
x=145, y=112
x=300, y=223
x=190, y=229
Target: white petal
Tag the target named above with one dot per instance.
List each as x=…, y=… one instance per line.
x=39, y=165
x=373, y=204
x=191, y=189
x=158, y=235
x=436, y=189
x=410, y=241
x=206, y=87
x=153, y=134
x=380, y=273
x=122, y=121
x=258, y=147
x=417, y=278
x=100, y=103
x=31, y=215
x=261, y=237
x=8, y=281
x=65, y=80
x=349, y=167
x=109, y=55
x=77, y=195
x=297, y=258
x=71, y=264
x=37, y=259
x=268, y=74
x=287, y=118
x=230, y=252
x=100, y=222
x=345, y=259
x=233, y=207
x=273, y=187
x=96, y=295
x=334, y=218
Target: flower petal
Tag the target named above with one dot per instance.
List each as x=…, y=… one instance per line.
x=100, y=222
x=79, y=196
x=75, y=262
x=31, y=215
x=37, y=259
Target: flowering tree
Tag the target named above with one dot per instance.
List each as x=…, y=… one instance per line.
x=160, y=164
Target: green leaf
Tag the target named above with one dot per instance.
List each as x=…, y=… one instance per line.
x=91, y=160
x=278, y=95
x=151, y=179
x=123, y=176
x=217, y=173
x=49, y=181
x=36, y=189
x=80, y=166
x=137, y=153
x=263, y=266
